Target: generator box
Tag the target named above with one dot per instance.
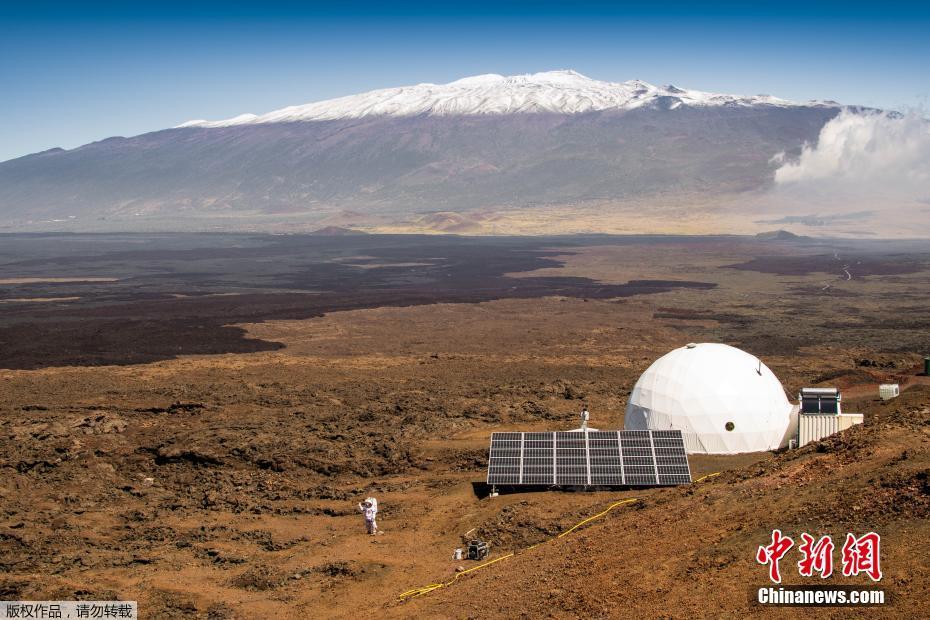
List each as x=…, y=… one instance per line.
x=478, y=550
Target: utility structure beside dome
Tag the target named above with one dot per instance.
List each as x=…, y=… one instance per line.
x=707, y=398
x=722, y=399
x=822, y=415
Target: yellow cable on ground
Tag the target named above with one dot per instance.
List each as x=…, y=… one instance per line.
x=597, y=516
x=702, y=478
x=435, y=586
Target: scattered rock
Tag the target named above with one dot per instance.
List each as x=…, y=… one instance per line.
x=102, y=424
x=176, y=407
x=337, y=569
x=259, y=577
x=175, y=454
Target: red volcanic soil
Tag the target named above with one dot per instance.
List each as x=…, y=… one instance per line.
x=689, y=552
x=195, y=432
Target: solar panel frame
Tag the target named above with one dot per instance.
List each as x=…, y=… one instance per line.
x=638, y=458
x=538, y=458
x=606, y=461
x=590, y=458
x=672, y=464
x=505, y=460
x=571, y=462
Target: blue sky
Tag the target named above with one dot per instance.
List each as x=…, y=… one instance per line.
x=72, y=73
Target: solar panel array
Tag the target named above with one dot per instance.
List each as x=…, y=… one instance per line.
x=593, y=458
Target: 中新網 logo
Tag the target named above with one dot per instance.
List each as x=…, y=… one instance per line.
x=858, y=555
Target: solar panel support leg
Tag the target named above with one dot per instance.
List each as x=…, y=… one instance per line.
x=620, y=454
x=655, y=461
x=587, y=456
x=555, y=465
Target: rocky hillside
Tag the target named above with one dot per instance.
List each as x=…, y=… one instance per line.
x=638, y=560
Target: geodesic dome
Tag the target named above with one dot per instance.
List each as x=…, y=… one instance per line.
x=722, y=399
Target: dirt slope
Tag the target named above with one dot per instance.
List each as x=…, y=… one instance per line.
x=636, y=561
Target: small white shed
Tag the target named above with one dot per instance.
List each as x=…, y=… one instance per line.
x=887, y=391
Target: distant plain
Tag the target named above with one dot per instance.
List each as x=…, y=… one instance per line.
x=192, y=423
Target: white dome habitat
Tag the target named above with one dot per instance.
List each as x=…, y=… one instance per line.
x=722, y=399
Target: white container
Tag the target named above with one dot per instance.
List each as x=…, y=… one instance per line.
x=457, y=554
x=887, y=391
x=814, y=427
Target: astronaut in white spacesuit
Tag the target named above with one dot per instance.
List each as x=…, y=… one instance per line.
x=369, y=508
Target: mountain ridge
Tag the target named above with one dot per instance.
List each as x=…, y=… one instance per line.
x=484, y=152
x=559, y=92
x=392, y=170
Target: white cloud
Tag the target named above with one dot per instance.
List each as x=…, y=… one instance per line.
x=872, y=156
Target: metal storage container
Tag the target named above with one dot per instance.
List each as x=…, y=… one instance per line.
x=813, y=427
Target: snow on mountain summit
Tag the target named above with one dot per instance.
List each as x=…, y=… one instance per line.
x=560, y=92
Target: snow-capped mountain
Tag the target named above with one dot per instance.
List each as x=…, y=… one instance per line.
x=485, y=144
x=557, y=92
